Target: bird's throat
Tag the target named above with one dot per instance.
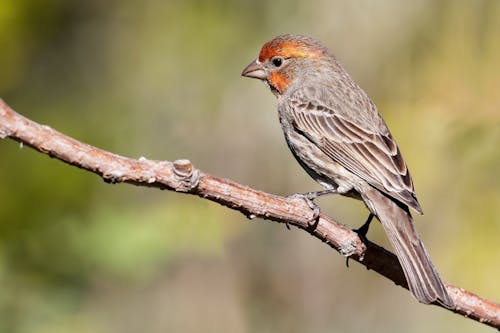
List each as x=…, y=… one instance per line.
x=278, y=82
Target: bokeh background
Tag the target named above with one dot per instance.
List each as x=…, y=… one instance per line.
x=161, y=79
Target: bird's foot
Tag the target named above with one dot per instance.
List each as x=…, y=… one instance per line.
x=363, y=230
x=313, y=222
x=309, y=199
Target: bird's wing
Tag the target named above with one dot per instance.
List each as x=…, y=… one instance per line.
x=370, y=153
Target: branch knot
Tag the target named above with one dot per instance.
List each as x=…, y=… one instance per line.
x=187, y=176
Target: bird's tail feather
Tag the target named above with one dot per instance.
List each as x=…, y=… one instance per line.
x=422, y=277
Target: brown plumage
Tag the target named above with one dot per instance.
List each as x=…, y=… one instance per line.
x=337, y=135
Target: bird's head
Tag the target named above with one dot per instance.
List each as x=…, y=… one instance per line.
x=283, y=59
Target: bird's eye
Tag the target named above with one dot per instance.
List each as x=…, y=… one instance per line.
x=277, y=61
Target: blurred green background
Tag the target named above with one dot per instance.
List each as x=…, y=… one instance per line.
x=161, y=79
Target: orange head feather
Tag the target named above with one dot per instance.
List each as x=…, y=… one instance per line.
x=279, y=81
x=292, y=46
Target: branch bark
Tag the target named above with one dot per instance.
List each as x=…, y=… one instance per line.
x=181, y=176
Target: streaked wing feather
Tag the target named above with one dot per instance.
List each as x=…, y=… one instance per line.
x=372, y=156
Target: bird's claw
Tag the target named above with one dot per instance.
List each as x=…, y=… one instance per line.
x=308, y=198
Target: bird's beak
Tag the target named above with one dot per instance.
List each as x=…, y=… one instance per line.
x=255, y=70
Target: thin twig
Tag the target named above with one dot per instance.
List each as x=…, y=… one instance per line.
x=181, y=176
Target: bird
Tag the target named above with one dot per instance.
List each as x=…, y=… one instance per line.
x=336, y=133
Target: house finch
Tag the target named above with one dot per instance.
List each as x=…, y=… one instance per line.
x=337, y=135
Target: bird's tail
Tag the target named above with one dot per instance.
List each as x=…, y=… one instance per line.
x=422, y=277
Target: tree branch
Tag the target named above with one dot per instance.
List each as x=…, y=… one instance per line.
x=181, y=176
